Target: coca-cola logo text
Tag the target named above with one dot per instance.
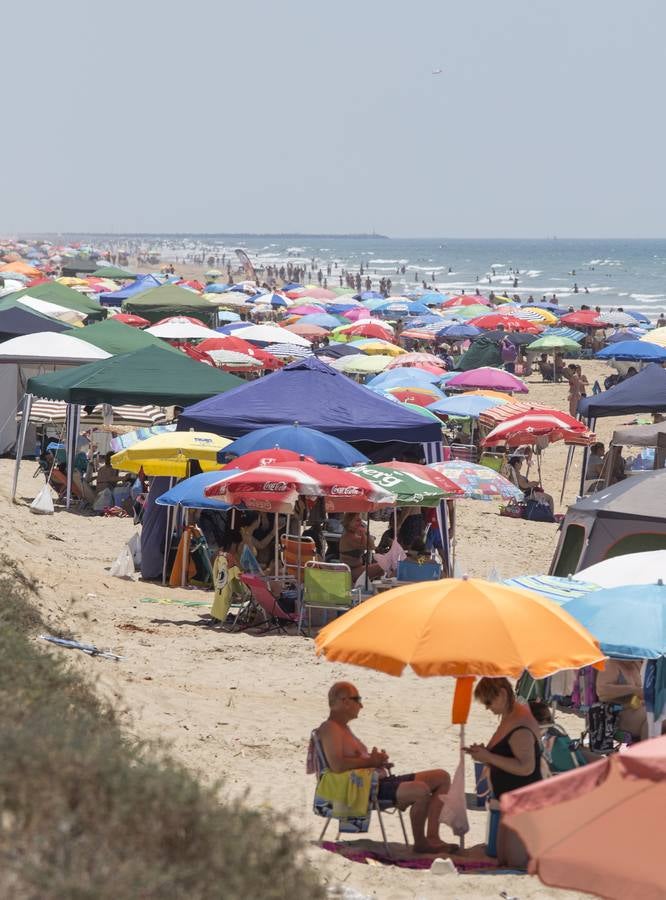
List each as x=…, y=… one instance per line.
x=347, y=490
x=275, y=487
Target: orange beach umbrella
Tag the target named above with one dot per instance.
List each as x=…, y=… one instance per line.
x=461, y=627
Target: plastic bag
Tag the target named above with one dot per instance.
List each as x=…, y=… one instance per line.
x=43, y=502
x=123, y=567
x=134, y=545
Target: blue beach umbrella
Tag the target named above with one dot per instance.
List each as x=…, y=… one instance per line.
x=190, y=492
x=627, y=334
x=225, y=315
x=458, y=332
x=231, y=327
x=404, y=376
x=629, y=621
x=324, y=320
x=559, y=590
x=640, y=317
x=635, y=351
x=464, y=406
x=325, y=448
x=561, y=331
x=372, y=295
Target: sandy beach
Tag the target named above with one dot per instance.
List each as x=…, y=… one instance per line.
x=241, y=706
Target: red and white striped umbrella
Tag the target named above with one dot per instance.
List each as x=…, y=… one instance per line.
x=528, y=427
x=276, y=488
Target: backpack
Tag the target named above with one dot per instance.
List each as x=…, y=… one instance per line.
x=561, y=752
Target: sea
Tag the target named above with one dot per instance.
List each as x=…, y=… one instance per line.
x=626, y=273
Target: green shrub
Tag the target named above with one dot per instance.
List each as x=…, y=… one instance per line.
x=86, y=812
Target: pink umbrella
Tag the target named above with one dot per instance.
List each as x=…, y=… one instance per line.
x=306, y=309
x=489, y=378
x=357, y=313
x=416, y=359
x=597, y=828
x=317, y=292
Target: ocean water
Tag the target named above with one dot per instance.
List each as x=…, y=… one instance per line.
x=626, y=273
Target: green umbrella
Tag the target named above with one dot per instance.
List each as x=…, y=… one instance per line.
x=428, y=414
x=468, y=312
x=363, y=365
x=408, y=489
x=553, y=343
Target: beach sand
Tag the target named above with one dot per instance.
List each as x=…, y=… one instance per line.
x=241, y=706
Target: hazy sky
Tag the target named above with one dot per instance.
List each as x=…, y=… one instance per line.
x=209, y=115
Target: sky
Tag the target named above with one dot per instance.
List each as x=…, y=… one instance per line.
x=256, y=116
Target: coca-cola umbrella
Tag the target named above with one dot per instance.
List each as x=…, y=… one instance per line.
x=271, y=457
x=131, y=319
x=276, y=488
x=537, y=425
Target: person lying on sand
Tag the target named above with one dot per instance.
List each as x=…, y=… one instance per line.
x=422, y=792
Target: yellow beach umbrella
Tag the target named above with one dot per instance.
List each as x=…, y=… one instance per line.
x=481, y=392
x=656, y=336
x=547, y=317
x=171, y=453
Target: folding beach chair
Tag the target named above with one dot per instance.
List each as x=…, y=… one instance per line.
x=296, y=552
x=411, y=570
x=318, y=765
x=464, y=452
x=327, y=586
x=275, y=615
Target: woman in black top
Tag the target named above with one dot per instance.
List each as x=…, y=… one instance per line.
x=513, y=754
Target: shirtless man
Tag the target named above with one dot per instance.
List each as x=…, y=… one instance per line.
x=423, y=792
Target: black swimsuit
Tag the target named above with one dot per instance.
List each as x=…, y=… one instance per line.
x=505, y=781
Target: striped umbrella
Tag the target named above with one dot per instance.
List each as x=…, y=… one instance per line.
x=559, y=590
x=550, y=424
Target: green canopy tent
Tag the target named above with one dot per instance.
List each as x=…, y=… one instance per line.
x=483, y=352
x=58, y=293
x=171, y=300
x=113, y=272
x=151, y=375
x=115, y=337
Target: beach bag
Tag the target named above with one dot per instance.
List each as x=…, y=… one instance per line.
x=536, y=511
x=513, y=510
x=42, y=505
x=561, y=752
x=602, y=725
x=123, y=567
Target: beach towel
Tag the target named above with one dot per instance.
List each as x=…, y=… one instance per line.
x=345, y=796
x=225, y=581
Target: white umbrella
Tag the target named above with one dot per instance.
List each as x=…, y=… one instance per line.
x=232, y=358
x=270, y=334
x=634, y=568
x=179, y=328
x=48, y=346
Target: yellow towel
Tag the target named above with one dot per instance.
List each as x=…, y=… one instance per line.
x=347, y=792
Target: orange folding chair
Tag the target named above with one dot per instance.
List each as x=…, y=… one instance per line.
x=296, y=552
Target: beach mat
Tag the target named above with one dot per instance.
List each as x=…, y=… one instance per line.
x=354, y=853
x=174, y=601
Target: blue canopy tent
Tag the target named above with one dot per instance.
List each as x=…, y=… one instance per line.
x=142, y=283
x=314, y=395
x=644, y=392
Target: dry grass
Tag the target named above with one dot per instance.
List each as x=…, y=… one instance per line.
x=87, y=813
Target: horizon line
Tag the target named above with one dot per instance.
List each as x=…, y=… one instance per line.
x=334, y=235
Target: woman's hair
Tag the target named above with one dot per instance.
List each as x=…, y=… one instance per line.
x=513, y=460
x=347, y=519
x=541, y=712
x=488, y=689
x=418, y=545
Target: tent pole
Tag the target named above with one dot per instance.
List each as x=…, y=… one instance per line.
x=367, y=552
x=566, y=470
x=591, y=424
x=277, y=561
x=23, y=430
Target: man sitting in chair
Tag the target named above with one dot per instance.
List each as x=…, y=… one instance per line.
x=423, y=792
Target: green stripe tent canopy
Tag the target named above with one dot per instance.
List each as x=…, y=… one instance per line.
x=116, y=337
x=152, y=375
x=58, y=293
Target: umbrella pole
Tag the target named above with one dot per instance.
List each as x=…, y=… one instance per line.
x=276, y=563
x=367, y=552
x=462, y=758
